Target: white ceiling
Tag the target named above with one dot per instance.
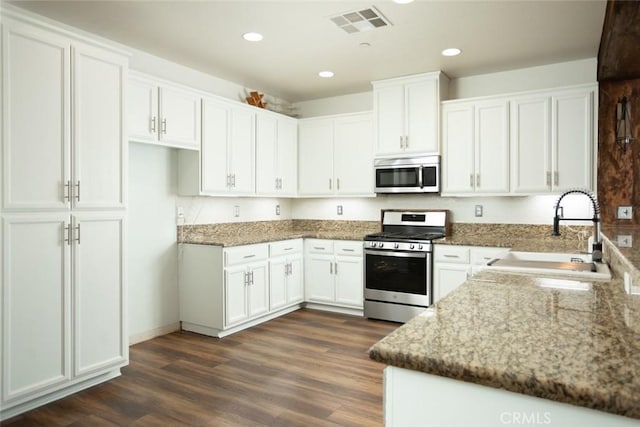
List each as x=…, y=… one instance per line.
x=300, y=40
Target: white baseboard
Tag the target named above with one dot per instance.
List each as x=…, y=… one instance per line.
x=153, y=333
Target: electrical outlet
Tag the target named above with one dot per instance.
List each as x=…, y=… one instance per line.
x=478, y=210
x=236, y=211
x=179, y=215
x=277, y=209
x=339, y=209
x=624, y=212
x=624, y=241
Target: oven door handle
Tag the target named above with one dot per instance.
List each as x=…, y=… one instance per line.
x=396, y=253
x=420, y=183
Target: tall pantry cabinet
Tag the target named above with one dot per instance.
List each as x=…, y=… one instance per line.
x=63, y=213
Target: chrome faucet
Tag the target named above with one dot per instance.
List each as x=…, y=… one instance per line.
x=596, y=247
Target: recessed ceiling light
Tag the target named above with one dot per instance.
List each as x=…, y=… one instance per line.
x=252, y=37
x=452, y=51
x=403, y=1
x=326, y=74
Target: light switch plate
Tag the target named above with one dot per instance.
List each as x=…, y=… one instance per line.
x=624, y=212
x=339, y=209
x=277, y=209
x=624, y=241
x=236, y=211
x=478, y=210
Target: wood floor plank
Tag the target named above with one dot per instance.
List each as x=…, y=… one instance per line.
x=308, y=368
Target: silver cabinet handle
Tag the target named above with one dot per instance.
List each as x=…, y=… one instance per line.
x=335, y=269
x=77, y=195
x=67, y=192
x=477, y=180
x=330, y=184
x=471, y=180
x=153, y=124
x=348, y=250
x=330, y=268
x=319, y=248
x=249, y=256
x=67, y=231
x=401, y=142
x=77, y=239
x=338, y=184
x=246, y=278
x=451, y=256
x=548, y=178
x=164, y=126
x=233, y=180
x=556, y=178
x=406, y=141
x=251, y=273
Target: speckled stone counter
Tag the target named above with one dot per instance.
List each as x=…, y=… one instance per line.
x=246, y=233
x=526, y=334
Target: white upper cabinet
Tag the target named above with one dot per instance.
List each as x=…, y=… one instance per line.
x=335, y=156
x=475, y=147
x=406, y=114
x=163, y=113
x=226, y=162
x=276, y=154
x=61, y=151
x=552, y=140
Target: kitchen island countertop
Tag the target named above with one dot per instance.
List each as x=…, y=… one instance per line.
x=528, y=335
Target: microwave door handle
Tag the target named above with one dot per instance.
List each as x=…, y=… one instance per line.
x=420, y=183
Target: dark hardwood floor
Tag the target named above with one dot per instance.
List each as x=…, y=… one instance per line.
x=308, y=368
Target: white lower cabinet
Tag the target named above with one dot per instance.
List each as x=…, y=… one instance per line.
x=334, y=273
x=453, y=265
x=62, y=305
x=224, y=290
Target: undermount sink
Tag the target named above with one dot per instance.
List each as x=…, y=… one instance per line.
x=579, y=266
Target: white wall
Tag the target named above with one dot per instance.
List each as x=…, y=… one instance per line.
x=352, y=103
x=152, y=253
x=508, y=210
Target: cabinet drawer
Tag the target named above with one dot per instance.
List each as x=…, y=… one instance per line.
x=481, y=256
x=348, y=248
x=319, y=246
x=248, y=253
x=285, y=247
x=452, y=254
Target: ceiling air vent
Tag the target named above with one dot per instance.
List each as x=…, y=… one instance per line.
x=360, y=20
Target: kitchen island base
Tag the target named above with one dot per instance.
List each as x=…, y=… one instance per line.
x=413, y=398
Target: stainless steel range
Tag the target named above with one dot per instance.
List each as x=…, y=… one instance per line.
x=399, y=266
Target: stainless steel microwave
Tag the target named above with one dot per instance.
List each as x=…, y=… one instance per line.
x=410, y=175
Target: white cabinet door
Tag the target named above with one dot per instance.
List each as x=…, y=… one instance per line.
x=447, y=277
x=458, y=149
x=241, y=151
x=315, y=157
x=36, y=316
x=319, y=278
x=287, y=159
x=389, y=119
x=258, y=289
x=572, y=140
x=100, y=339
x=278, y=283
x=421, y=116
x=36, y=115
x=492, y=147
x=266, y=154
x=531, y=144
x=215, y=134
x=98, y=129
x=179, y=112
x=353, y=155
x=142, y=110
x=349, y=281
x=295, y=284
x=235, y=295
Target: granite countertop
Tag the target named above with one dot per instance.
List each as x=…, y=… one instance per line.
x=525, y=334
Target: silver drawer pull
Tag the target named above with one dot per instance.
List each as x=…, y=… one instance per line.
x=349, y=250
x=318, y=248
x=249, y=256
x=451, y=256
x=288, y=249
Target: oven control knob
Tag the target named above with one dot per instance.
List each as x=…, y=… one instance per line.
x=396, y=245
x=412, y=246
x=381, y=245
x=419, y=246
x=373, y=244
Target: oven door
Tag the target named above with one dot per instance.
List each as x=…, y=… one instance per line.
x=398, y=277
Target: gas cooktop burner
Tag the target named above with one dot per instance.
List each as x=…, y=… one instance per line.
x=386, y=236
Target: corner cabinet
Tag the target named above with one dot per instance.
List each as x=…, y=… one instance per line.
x=335, y=156
x=453, y=265
x=406, y=114
x=225, y=164
x=334, y=274
x=225, y=290
x=276, y=154
x=63, y=211
x=553, y=138
x=162, y=113
x=475, y=147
